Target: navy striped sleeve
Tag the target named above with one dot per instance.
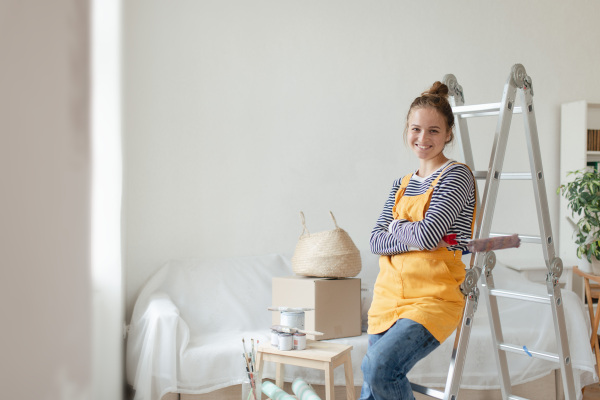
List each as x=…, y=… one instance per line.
x=453, y=194
x=383, y=242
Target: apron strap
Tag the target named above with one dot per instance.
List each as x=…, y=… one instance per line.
x=436, y=180
x=403, y=184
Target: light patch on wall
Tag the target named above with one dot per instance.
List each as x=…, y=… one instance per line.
x=69, y=388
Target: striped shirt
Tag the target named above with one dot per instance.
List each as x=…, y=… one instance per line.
x=450, y=211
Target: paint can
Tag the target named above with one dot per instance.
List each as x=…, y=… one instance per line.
x=299, y=341
x=274, y=338
x=285, y=341
x=293, y=319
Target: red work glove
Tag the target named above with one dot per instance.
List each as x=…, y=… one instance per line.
x=450, y=239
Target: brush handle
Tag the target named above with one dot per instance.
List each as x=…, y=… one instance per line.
x=290, y=309
x=315, y=333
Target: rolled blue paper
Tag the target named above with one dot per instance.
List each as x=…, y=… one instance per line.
x=303, y=390
x=275, y=392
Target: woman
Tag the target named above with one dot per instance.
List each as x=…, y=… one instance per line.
x=417, y=301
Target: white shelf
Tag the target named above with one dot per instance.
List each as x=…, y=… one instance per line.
x=593, y=156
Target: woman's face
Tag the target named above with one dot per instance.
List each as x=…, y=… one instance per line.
x=427, y=133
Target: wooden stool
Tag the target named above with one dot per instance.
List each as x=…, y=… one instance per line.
x=592, y=292
x=318, y=355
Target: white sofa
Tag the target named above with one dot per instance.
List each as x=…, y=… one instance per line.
x=186, y=331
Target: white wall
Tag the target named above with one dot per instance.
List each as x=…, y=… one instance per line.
x=45, y=288
x=240, y=114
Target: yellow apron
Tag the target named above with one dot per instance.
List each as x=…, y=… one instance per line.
x=423, y=286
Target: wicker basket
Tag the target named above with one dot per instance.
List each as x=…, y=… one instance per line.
x=328, y=254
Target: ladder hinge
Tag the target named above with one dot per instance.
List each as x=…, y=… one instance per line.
x=528, y=84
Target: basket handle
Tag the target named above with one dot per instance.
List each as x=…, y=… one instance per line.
x=334, y=221
x=305, y=229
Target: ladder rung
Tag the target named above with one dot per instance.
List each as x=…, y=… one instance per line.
x=524, y=238
x=480, y=110
x=427, y=391
x=530, y=353
x=505, y=175
x=519, y=296
x=516, y=398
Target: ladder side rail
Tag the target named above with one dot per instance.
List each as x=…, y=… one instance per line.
x=457, y=98
x=490, y=193
x=436, y=394
x=560, y=330
x=487, y=284
x=461, y=344
x=538, y=178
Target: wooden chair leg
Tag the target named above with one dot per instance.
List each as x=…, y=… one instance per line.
x=590, y=302
x=594, y=338
x=594, y=317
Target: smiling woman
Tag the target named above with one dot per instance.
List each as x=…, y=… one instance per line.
x=417, y=301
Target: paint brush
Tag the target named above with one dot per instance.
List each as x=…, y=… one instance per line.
x=252, y=354
x=244, y=344
x=487, y=244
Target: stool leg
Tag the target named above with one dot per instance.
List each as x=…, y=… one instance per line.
x=279, y=375
x=349, y=377
x=329, y=388
x=259, y=361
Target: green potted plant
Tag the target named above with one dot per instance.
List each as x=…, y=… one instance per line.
x=583, y=199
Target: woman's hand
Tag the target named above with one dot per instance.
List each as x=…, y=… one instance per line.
x=441, y=244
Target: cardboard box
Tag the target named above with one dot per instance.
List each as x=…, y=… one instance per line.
x=336, y=304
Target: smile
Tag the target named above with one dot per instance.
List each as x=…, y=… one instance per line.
x=423, y=147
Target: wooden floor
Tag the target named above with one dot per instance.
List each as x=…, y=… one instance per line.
x=591, y=392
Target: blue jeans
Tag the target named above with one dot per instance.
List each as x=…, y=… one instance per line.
x=390, y=356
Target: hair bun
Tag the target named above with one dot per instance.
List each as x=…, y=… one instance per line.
x=438, y=89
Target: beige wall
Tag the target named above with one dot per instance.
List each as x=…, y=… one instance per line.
x=45, y=295
x=238, y=114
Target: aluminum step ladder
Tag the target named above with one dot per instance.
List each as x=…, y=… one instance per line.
x=482, y=264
